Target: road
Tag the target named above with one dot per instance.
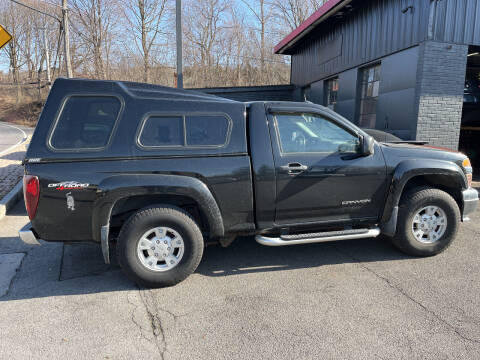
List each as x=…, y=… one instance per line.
x=12, y=135
x=358, y=299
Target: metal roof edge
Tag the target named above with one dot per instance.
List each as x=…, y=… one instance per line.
x=252, y=88
x=324, y=12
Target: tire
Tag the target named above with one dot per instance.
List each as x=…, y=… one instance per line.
x=176, y=225
x=433, y=242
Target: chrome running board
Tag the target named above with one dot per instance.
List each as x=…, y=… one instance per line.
x=317, y=237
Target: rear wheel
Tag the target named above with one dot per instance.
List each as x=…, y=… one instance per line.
x=159, y=246
x=428, y=222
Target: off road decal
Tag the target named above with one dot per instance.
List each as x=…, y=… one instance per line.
x=68, y=185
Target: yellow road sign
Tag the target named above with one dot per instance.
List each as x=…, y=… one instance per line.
x=5, y=37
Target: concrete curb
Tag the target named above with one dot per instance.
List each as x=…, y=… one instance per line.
x=25, y=137
x=11, y=199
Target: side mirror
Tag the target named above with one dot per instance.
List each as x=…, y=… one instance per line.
x=367, y=146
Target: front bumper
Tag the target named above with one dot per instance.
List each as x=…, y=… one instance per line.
x=28, y=236
x=470, y=201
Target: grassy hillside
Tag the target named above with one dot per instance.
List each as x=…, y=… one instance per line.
x=24, y=113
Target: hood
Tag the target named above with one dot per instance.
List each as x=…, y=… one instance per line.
x=421, y=152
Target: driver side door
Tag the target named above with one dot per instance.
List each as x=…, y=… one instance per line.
x=319, y=175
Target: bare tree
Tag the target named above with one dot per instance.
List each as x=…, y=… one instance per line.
x=146, y=18
x=13, y=49
x=262, y=14
x=94, y=18
x=226, y=42
x=295, y=12
x=206, y=22
x=235, y=45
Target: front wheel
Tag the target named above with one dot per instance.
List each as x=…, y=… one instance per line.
x=428, y=221
x=159, y=246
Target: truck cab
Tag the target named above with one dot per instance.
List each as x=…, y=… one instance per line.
x=316, y=157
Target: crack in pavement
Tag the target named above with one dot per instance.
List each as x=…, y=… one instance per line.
x=158, y=329
x=139, y=326
x=155, y=322
x=399, y=289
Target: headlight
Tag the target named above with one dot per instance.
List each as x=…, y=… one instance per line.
x=468, y=170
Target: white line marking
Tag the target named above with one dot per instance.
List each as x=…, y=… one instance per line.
x=18, y=143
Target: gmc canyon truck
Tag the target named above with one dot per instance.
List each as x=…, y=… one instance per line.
x=159, y=171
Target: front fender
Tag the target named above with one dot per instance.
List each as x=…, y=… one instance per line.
x=119, y=187
x=409, y=169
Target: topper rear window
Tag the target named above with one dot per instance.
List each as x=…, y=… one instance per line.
x=85, y=122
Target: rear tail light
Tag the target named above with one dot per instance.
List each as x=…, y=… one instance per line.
x=31, y=193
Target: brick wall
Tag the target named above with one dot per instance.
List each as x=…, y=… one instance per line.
x=439, y=92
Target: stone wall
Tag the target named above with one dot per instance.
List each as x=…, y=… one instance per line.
x=439, y=92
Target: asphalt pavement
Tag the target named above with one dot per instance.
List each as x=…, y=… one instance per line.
x=12, y=135
x=358, y=299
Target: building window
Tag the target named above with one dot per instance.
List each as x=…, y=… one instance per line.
x=370, y=84
x=331, y=92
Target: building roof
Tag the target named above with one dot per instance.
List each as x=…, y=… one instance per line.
x=329, y=8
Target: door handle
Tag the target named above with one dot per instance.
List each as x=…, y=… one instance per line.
x=294, y=167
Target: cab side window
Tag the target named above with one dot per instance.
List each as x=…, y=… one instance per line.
x=308, y=133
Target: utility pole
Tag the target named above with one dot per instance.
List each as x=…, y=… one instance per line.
x=178, y=20
x=47, y=55
x=64, y=24
x=66, y=34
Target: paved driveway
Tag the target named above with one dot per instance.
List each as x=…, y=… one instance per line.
x=357, y=299
x=12, y=135
x=14, y=140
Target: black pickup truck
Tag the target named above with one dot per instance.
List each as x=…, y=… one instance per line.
x=159, y=171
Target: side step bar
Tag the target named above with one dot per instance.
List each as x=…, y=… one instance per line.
x=317, y=237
